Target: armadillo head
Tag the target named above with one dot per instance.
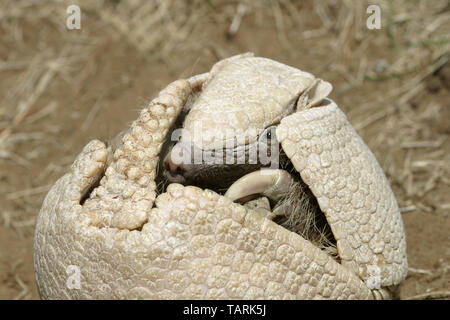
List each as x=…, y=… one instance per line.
x=230, y=129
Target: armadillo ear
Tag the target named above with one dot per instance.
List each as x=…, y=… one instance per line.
x=312, y=96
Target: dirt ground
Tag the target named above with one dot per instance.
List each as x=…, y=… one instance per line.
x=61, y=88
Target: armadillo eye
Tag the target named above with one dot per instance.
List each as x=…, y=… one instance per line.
x=269, y=134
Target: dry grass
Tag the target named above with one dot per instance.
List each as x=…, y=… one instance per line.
x=60, y=88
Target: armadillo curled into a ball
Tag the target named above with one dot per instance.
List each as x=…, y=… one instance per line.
x=144, y=218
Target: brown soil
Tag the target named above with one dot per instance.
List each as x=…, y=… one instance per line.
x=61, y=88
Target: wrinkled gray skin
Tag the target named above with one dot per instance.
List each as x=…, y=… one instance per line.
x=218, y=177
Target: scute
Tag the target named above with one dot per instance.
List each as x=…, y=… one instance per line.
x=366, y=225
x=229, y=103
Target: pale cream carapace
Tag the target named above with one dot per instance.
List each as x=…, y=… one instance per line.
x=188, y=243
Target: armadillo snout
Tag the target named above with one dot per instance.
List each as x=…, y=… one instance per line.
x=174, y=172
x=176, y=163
